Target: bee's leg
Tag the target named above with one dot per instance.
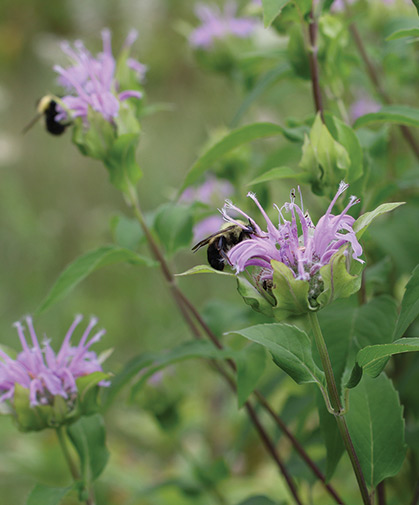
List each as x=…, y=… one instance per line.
x=222, y=250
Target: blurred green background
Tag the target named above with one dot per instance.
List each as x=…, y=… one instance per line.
x=56, y=204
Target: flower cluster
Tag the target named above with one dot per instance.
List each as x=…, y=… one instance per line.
x=303, y=252
x=91, y=81
x=44, y=373
x=219, y=25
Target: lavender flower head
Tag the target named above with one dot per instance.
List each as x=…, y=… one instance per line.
x=91, y=81
x=44, y=373
x=219, y=25
x=304, y=254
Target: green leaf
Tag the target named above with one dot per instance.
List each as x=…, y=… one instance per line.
x=405, y=32
x=277, y=173
x=250, y=363
x=174, y=227
x=44, y=495
x=232, y=140
x=204, y=269
x=187, y=350
x=258, y=500
x=376, y=427
x=297, y=53
x=416, y=4
x=291, y=294
x=88, y=390
x=338, y=282
x=88, y=437
x=126, y=232
x=120, y=161
x=331, y=436
x=252, y=297
x=398, y=114
x=264, y=82
x=348, y=139
x=325, y=161
x=362, y=223
x=373, y=358
x=290, y=348
x=84, y=265
x=271, y=10
x=410, y=305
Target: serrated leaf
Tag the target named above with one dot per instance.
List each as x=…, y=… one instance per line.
x=84, y=265
x=410, y=305
x=271, y=10
x=174, y=226
x=405, y=32
x=277, y=173
x=250, y=363
x=44, y=495
x=121, y=163
x=233, y=139
x=397, y=114
x=361, y=224
x=373, y=358
x=376, y=427
x=204, y=269
x=290, y=348
x=88, y=437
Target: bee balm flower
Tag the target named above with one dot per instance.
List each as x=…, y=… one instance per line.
x=302, y=248
x=40, y=376
x=91, y=82
x=219, y=25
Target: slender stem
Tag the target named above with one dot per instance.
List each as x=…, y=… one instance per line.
x=314, y=65
x=375, y=79
x=67, y=456
x=70, y=462
x=183, y=302
x=337, y=407
x=415, y=499
x=381, y=493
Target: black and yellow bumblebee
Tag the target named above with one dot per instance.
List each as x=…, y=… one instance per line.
x=47, y=107
x=222, y=241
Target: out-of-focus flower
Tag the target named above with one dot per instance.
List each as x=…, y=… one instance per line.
x=211, y=192
x=303, y=254
x=219, y=25
x=362, y=106
x=46, y=374
x=339, y=5
x=91, y=81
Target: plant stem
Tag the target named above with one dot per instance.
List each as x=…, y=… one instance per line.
x=70, y=462
x=337, y=407
x=381, y=493
x=314, y=65
x=67, y=456
x=374, y=78
x=183, y=303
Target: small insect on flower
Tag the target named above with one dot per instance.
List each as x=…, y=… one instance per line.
x=47, y=107
x=221, y=242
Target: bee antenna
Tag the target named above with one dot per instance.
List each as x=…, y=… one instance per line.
x=31, y=123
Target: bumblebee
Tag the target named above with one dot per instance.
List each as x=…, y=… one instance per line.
x=221, y=242
x=47, y=107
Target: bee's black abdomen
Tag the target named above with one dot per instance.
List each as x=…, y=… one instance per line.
x=214, y=257
x=53, y=126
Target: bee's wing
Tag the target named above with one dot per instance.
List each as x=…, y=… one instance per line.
x=206, y=240
x=32, y=122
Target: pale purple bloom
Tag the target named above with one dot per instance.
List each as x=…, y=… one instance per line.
x=211, y=191
x=219, y=25
x=91, y=82
x=45, y=373
x=206, y=227
x=363, y=106
x=339, y=5
x=304, y=254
